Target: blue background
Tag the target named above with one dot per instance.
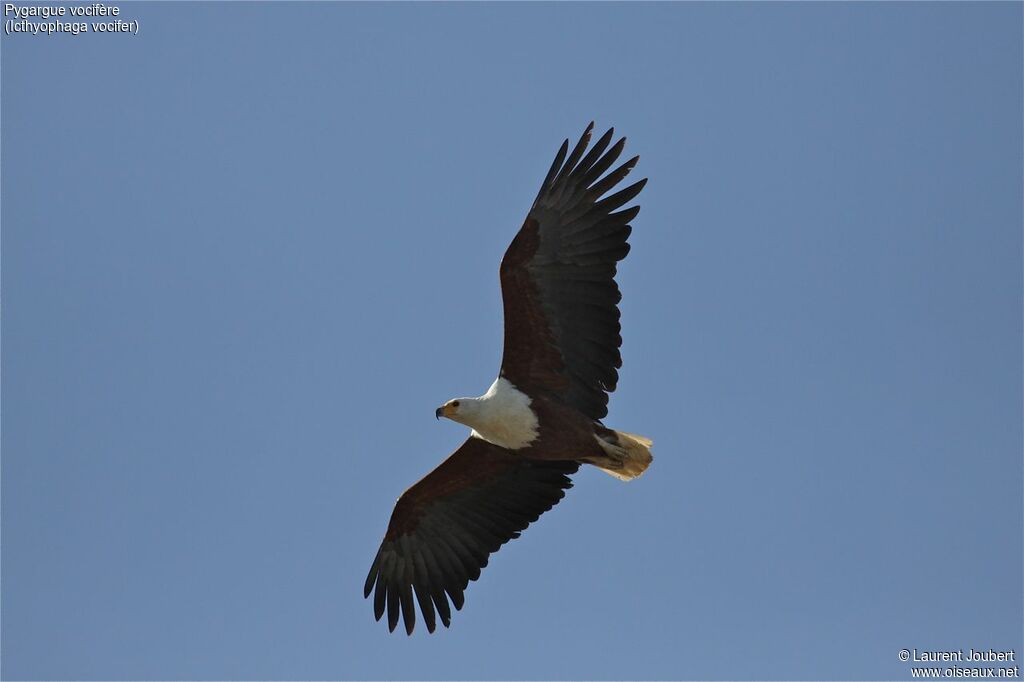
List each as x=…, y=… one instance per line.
x=248, y=251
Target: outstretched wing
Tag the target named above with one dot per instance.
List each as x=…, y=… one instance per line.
x=444, y=528
x=558, y=279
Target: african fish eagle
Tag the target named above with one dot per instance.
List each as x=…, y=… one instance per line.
x=541, y=418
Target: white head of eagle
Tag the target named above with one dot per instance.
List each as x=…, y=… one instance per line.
x=501, y=416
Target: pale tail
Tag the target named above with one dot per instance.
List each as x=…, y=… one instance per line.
x=628, y=458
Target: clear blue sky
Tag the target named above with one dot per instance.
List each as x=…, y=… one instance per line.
x=248, y=251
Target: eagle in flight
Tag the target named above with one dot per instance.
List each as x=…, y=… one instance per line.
x=541, y=418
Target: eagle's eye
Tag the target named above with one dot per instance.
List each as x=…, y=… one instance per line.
x=455, y=403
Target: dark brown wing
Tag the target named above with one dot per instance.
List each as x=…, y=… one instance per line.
x=558, y=279
x=444, y=528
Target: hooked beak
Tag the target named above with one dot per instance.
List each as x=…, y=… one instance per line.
x=446, y=410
